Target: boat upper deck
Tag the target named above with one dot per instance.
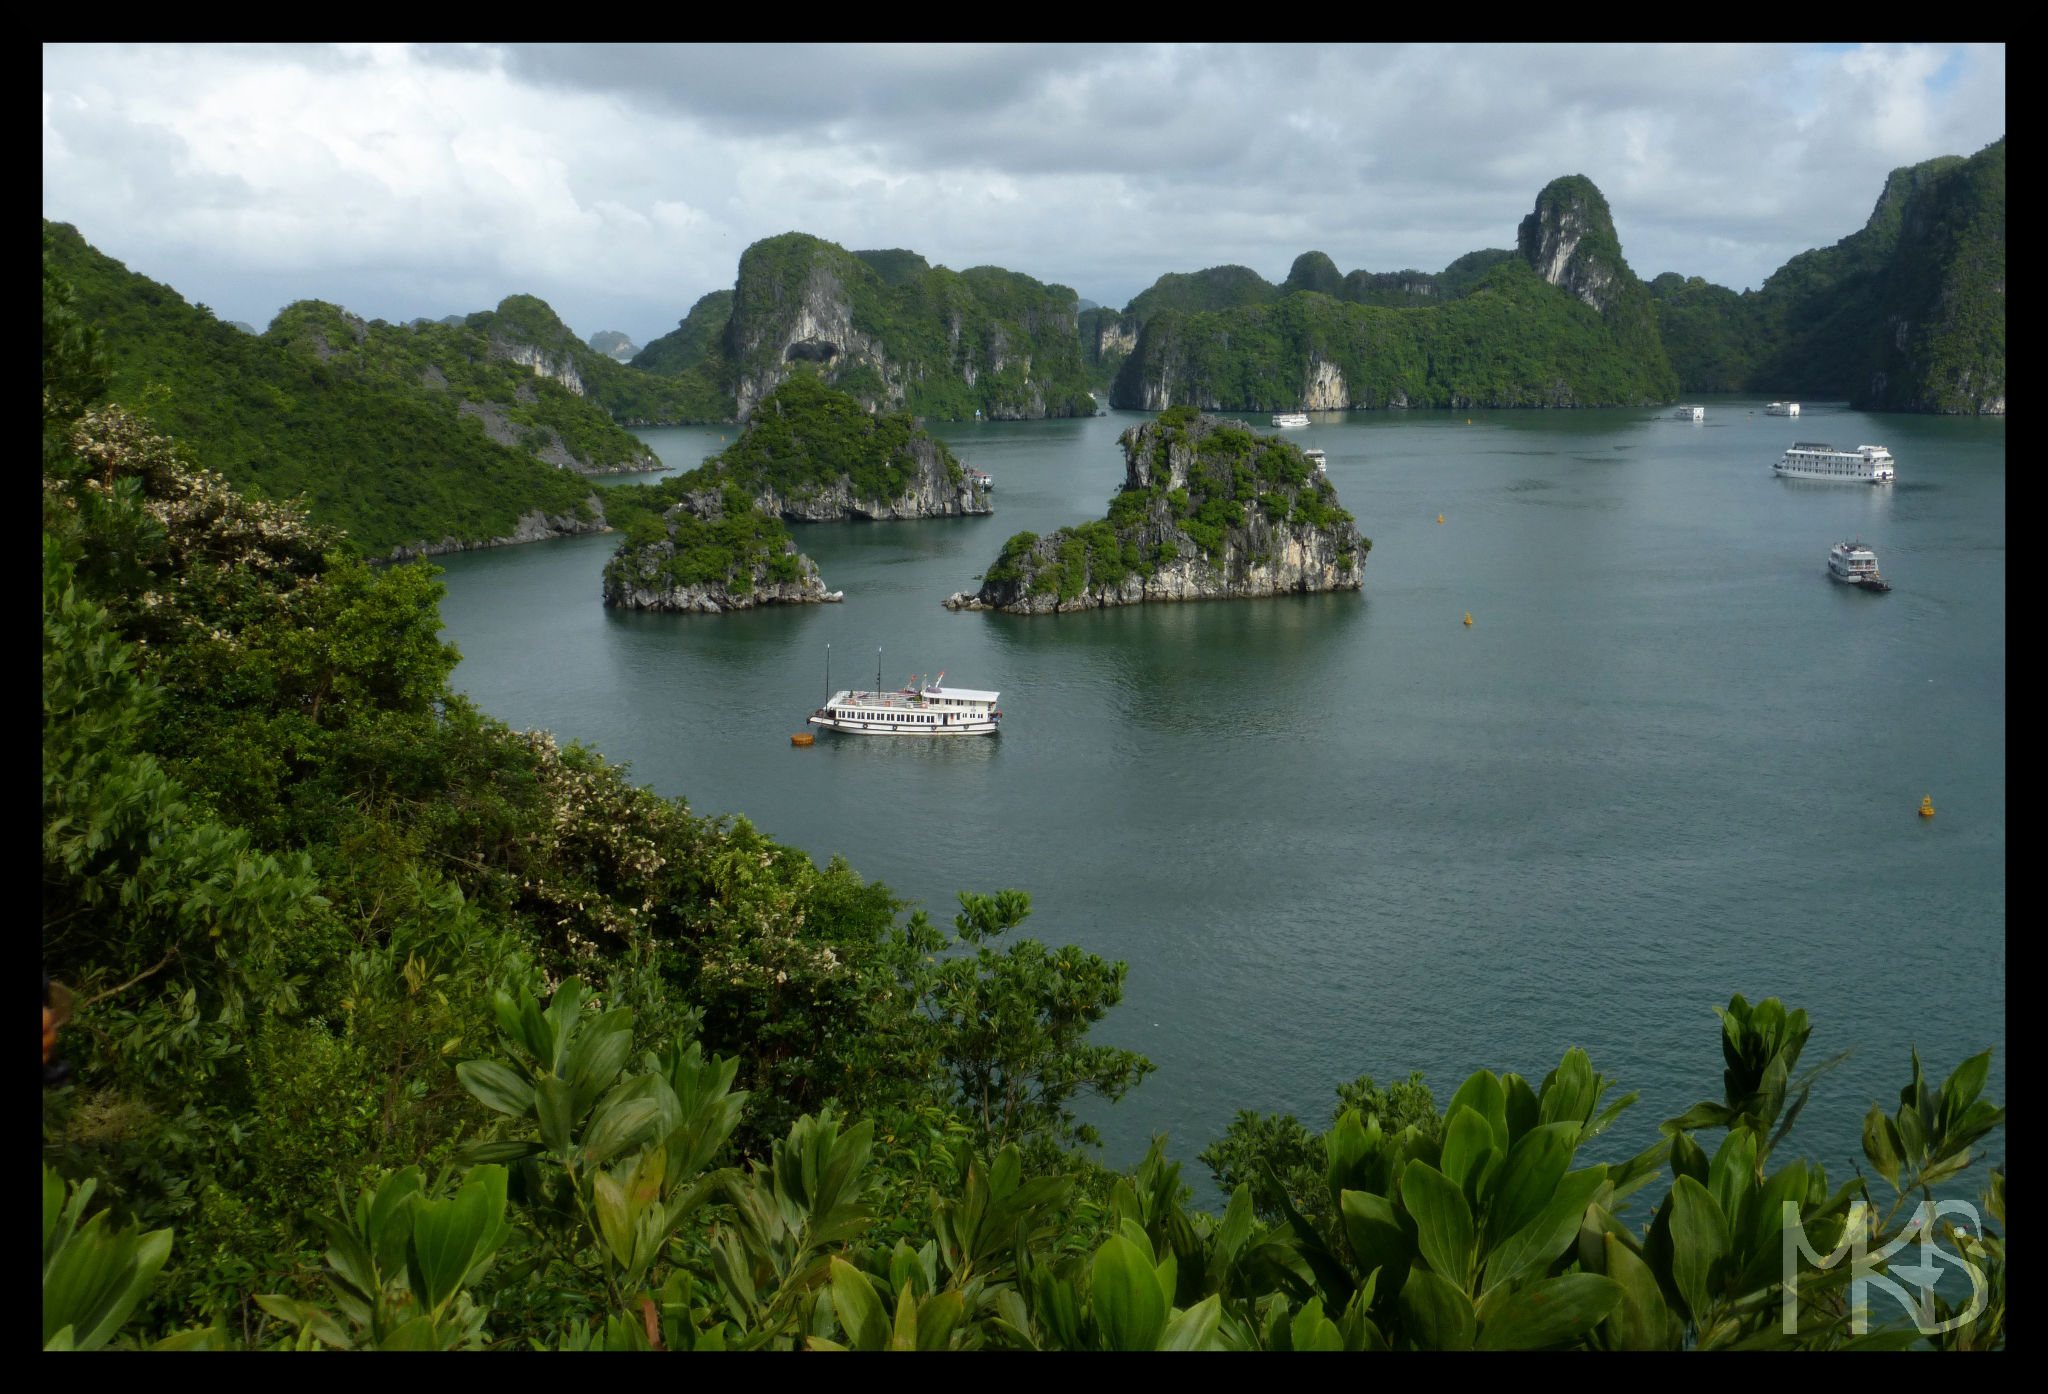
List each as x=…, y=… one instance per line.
x=916, y=701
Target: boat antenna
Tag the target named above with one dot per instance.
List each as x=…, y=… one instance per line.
x=828, y=674
x=878, y=668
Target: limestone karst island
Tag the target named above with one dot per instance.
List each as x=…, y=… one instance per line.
x=853, y=800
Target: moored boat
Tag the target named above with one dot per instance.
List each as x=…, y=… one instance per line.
x=1691, y=413
x=1782, y=409
x=917, y=709
x=1318, y=459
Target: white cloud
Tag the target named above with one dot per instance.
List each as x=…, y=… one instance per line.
x=620, y=184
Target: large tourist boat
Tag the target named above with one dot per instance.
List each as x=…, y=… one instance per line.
x=1782, y=409
x=1290, y=420
x=1691, y=413
x=917, y=709
x=1856, y=564
x=1318, y=459
x=1866, y=464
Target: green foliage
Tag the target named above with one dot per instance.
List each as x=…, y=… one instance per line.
x=1907, y=313
x=427, y=1034
x=328, y=410
x=1014, y=337
x=730, y=546
x=806, y=437
x=1513, y=340
x=1245, y=497
x=94, y=1274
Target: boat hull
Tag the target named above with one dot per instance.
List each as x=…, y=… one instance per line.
x=1827, y=477
x=888, y=728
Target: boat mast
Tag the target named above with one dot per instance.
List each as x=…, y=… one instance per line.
x=878, y=670
x=828, y=675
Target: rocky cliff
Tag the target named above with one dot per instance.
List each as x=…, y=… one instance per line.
x=813, y=454
x=712, y=552
x=1907, y=313
x=1941, y=344
x=1208, y=511
x=1563, y=323
x=937, y=487
x=891, y=330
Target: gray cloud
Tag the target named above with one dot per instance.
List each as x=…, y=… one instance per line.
x=620, y=183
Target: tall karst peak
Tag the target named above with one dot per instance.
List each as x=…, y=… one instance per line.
x=1569, y=239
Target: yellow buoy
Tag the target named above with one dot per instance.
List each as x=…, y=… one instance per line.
x=1439, y=517
x=802, y=738
x=1927, y=806
x=1468, y=617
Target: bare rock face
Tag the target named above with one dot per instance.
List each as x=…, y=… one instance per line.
x=1569, y=239
x=544, y=364
x=1208, y=511
x=818, y=328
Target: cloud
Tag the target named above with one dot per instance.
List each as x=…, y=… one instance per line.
x=621, y=183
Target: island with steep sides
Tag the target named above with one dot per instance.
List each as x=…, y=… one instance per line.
x=1209, y=510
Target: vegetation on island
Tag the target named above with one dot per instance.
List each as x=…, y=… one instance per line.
x=1512, y=341
x=398, y=1029
x=912, y=337
x=806, y=437
x=336, y=412
x=1490, y=331
x=717, y=539
x=1243, y=496
x=1905, y=314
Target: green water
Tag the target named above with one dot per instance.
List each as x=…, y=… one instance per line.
x=1670, y=760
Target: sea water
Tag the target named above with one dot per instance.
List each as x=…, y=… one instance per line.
x=1336, y=835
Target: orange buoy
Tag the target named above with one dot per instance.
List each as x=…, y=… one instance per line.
x=1439, y=517
x=1927, y=806
x=1468, y=617
x=802, y=738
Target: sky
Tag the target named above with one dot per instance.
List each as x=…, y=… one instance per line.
x=621, y=182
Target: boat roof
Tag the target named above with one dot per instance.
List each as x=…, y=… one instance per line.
x=887, y=699
x=1811, y=445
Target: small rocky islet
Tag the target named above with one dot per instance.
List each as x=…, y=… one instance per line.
x=1209, y=510
x=713, y=539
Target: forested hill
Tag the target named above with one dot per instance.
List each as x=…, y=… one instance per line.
x=397, y=435
x=886, y=327
x=1561, y=321
x=1905, y=314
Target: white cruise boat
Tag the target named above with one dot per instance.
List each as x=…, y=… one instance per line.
x=1290, y=420
x=1782, y=409
x=980, y=479
x=1856, y=564
x=916, y=710
x=1318, y=459
x=1691, y=413
x=1867, y=464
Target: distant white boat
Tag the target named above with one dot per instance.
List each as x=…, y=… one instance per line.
x=1318, y=459
x=1691, y=413
x=1290, y=420
x=1782, y=409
